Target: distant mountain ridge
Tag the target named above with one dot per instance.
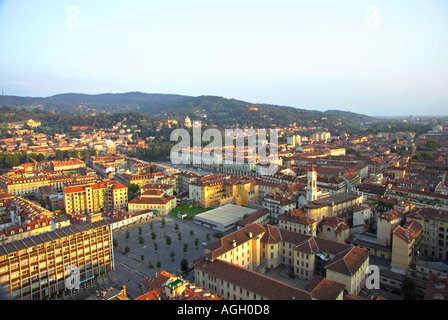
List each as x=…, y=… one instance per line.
x=210, y=109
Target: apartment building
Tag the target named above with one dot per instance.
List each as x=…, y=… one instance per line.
x=69, y=165
x=183, y=180
x=296, y=220
x=333, y=228
x=138, y=179
x=23, y=231
x=38, y=268
x=386, y=224
x=155, y=200
x=18, y=185
x=22, y=210
x=278, y=204
x=406, y=245
x=340, y=205
x=96, y=197
x=165, y=188
x=435, y=231
x=22, y=186
x=233, y=265
x=220, y=189
x=437, y=288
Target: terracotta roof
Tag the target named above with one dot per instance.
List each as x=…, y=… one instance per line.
x=408, y=231
x=152, y=200
x=221, y=246
x=308, y=246
x=437, y=287
x=272, y=235
x=252, y=281
x=152, y=192
x=253, y=217
x=95, y=186
x=431, y=214
x=296, y=216
x=391, y=215
x=335, y=222
x=348, y=261
x=156, y=280
x=322, y=288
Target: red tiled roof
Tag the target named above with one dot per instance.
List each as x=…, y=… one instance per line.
x=253, y=281
x=408, y=231
x=152, y=200
x=349, y=261
x=297, y=216
x=322, y=288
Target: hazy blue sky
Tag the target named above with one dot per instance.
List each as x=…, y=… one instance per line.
x=373, y=57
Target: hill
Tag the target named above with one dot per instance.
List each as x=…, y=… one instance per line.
x=212, y=110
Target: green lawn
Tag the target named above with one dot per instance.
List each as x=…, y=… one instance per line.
x=191, y=212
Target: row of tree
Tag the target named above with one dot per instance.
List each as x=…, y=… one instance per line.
x=8, y=161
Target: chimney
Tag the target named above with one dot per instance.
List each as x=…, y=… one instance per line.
x=234, y=243
x=250, y=235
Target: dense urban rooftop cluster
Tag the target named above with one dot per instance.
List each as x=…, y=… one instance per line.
x=335, y=206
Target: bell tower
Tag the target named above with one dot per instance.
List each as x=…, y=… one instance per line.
x=311, y=188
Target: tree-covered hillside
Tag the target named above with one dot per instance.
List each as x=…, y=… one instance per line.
x=212, y=110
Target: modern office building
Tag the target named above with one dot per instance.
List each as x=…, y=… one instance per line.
x=58, y=263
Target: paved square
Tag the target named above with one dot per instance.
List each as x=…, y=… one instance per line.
x=130, y=269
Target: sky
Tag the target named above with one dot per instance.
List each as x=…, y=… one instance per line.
x=373, y=57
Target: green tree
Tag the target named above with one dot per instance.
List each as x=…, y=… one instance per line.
x=93, y=152
x=410, y=291
x=40, y=157
x=133, y=187
x=168, y=240
x=432, y=145
x=59, y=155
x=184, y=265
x=85, y=153
x=427, y=155
x=9, y=160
